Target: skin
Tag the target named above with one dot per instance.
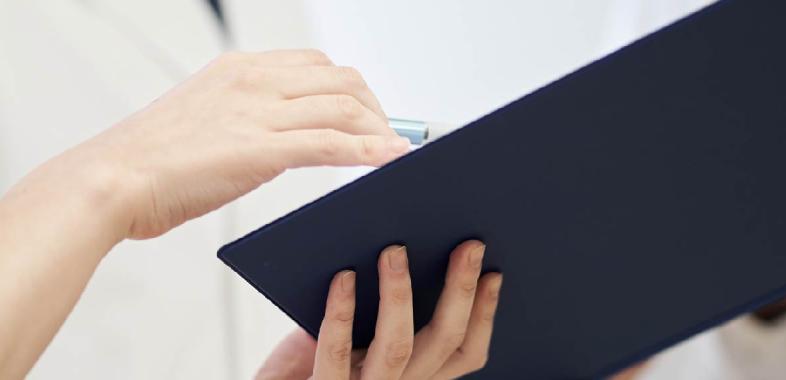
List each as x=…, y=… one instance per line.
x=455, y=342
x=239, y=122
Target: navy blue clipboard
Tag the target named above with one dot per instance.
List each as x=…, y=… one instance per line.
x=631, y=204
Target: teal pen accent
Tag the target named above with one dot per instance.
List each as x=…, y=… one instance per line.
x=415, y=131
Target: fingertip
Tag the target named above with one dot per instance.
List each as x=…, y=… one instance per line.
x=494, y=279
x=493, y=284
x=347, y=281
x=468, y=256
x=342, y=289
x=379, y=150
x=394, y=259
x=395, y=247
x=470, y=245
x=398, y=145
x=382, y=123
x=341, y=298
x=475, y=259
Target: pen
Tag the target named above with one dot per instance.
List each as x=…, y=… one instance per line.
x=419, y=132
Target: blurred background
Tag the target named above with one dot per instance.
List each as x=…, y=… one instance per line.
x=70, y=68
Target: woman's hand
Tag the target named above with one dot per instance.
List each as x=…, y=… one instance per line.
x=241, y=121
x=238, y=123
x=454, y=343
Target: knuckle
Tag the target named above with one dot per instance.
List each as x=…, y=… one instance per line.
x=449, y=340
x=345, y=315
x=328, y=143
x=367, y=150
x=400, y=296
x=467, y=288
x=316, y=56
x=341, y=352
x=398, y=352
x=487, y=316
x=350, y=76
x=453, y=340
x=348, y=107
x=246, y=78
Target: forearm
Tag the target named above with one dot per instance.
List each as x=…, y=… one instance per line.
x=55, y=226
x=234, y=125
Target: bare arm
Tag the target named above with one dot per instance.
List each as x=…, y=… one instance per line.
x=238, y=123
x=53, y=233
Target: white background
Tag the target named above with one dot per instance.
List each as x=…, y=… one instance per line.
x=168, y=308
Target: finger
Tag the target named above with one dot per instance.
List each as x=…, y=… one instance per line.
x=282, y=58
x=296, y=82
x=392, y=345
x=436, y=342
x=334, y=345
x=473, y=353
x=318, y=147
x=340, y=112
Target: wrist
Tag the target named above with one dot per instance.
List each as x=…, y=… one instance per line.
x=101, y=193
x=76, y=188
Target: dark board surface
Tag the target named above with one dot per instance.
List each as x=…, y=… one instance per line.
x=630, y=204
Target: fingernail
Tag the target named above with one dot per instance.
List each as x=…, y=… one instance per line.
x=476, y=256
x=398, y=144
x=496, y=285
x=397, y=259
x=348, y=281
